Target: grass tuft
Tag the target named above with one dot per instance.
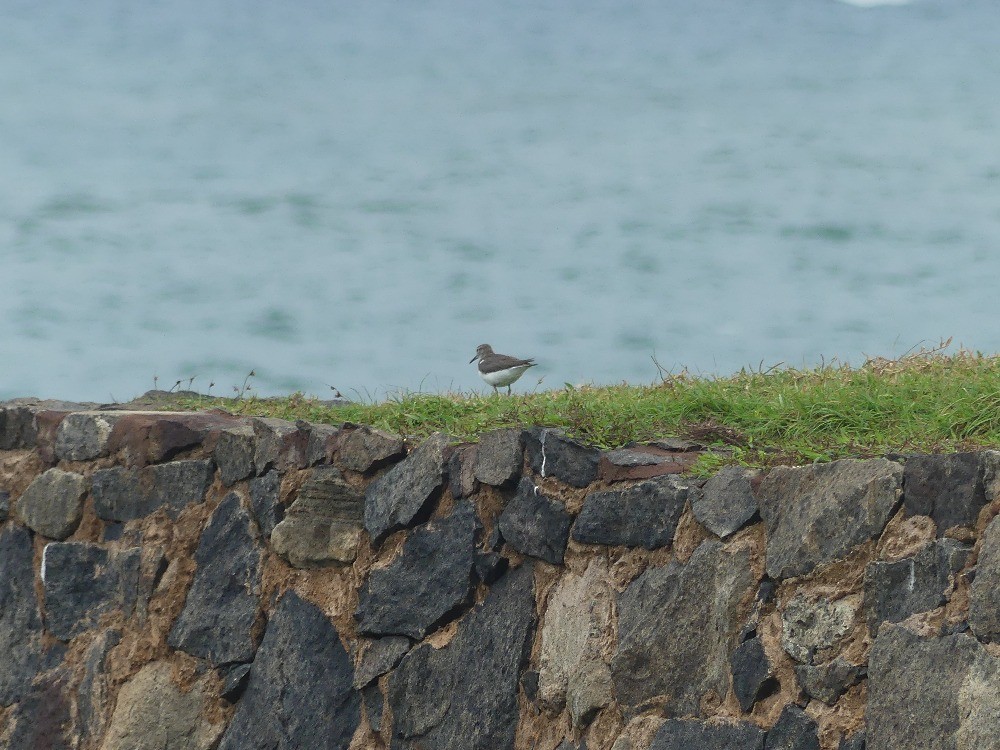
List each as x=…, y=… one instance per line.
x=927, y=401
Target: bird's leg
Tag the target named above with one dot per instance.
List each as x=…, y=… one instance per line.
x=495, y=391
x=508, y=390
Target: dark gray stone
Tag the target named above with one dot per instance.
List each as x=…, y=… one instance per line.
x=536, y=525
x=43, y=719
x=552, y=454
x=234, y=681
x=489, y=566
x=280, y=444
x=366, y=448
x=93, y=694
x=855, y=742
x=265, y=502
x=17, y=427
x=52, y=505
x=794, y=730
x=382, y=655
x=374, y=704
x=931, y=692
x=950, y=489
x=644, y=515
x=400, y=495
x=323, y=525
x=320, y=447
x=726, y=503
x=4, y=505
x=300, y=693
x=84, y=436
x=234, y=452
x=127, y=494
x=827, y=682
x=20, y=619
x=84, y=581
x=464, y=696
x=677, y=734
x=429, y=580
x=751, y=672
x=896, y=590
x=984, y=599
x=816, y=514
x=224, y=598
x=461, y=479
x=500, y=457
x=677, y=628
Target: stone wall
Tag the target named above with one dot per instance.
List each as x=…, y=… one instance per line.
x=204, y=581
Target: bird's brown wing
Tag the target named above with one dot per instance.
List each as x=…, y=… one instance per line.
x=497, y=362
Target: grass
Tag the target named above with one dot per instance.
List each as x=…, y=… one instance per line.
x=928, y=401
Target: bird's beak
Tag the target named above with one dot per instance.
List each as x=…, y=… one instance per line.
x=473, y=359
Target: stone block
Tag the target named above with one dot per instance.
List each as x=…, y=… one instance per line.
x=752, y=672
x=816, y=514
x=684, y=734
x=83, y=436
x=223, y=602
x=948, y=488
x=678, y=626
x=381, y=656
x=552, y=454
x=17, y=427
x=280, y=445
x=265, y=502
x=984, y=601
x=234, y=454
x=465, y=695
x=365, y=449
x=52, y=505
x=400, y=496
x=827, y=682
x=43, y=718
x=300, y=693
x=726, y=503
x=810, y=625
x=644, y=515
x=499, y=457
x=127, y=494
x=429, y=580
x=535, y=524
x=461, y=475
x=93, y=696
x=794, y=730
x=20, y=618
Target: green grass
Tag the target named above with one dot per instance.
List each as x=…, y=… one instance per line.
x=924, y=402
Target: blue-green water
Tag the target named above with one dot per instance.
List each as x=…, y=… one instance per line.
x=357, y=194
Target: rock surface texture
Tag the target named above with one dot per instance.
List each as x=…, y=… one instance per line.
x=204, y=581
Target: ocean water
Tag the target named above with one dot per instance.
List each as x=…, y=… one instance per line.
x=356, y=195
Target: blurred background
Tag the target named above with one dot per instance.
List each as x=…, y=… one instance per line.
x=358, y=194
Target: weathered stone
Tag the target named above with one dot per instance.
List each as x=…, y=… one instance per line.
x=93, y=695
x=726, y=503
x=234, y=681
x=234, y=452
x=984, y=601
x=678, y=734
x=461, y=478
x=281, y=444
x=642, y=462
x=43, y=718
x=20, y=620
x=300, y=693
x=949, y=488
x=126, y=494
x=4, y=505
x=677, y=627
x=427, y=582
x=84, y=581
x=818, y=513
x=552, y=454
x=399, y=496
x=489, y=566
x=854, y=742
x=223, y=601
x=535, y=524
x=366, y=448
x=827, y=682
x=464, y=696
x=499, y=457
x=323, y=526
x=265, y=502
x=810, y=625
x=17, y=427
x=52, y=505
x=644, y=515
x=381, y=655
x=143, y=438
x=152, y=713
x=322, y=443
x=793, y=731
x=572, y=672
x=751, y=672
x=896, y=590
x=83, y=436
x=935, y=693
x=374, y=705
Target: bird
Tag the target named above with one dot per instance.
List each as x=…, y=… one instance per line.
x=499, y=369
